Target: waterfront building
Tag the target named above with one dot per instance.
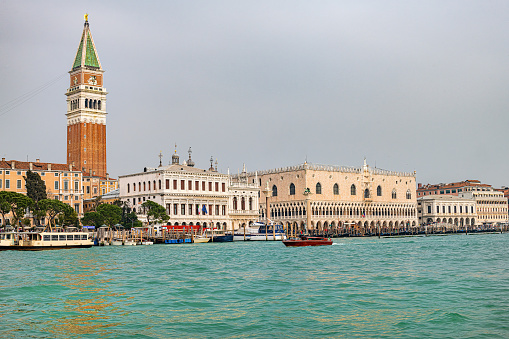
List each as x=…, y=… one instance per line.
x=243, y=203
x=191, y=196
x=491, y=206
x=110, y=198
x=94, y=186
x=63, y=181
x=447, y=211
x=337, y=198
x=86, y=109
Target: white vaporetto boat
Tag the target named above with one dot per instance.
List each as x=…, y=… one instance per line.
x=260, y=232
x=35, y=241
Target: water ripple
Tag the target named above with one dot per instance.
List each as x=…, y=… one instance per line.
x=454, y=286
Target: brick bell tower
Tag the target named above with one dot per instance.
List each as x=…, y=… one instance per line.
x=86, y=109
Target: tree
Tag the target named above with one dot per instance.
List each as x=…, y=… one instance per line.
x=155, y=211
x=36, y=190
x=111, y=214
x=93, y=218
x=97, y=202
x=5, y=207
x=54, y=208
x=18, y=204
x=69, y=217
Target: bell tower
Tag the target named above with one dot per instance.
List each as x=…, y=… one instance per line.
x=86, y=109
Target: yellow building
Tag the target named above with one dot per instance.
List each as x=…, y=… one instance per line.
x=63, y=182
x=94, y=186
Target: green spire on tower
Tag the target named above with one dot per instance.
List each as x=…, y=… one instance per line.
x=87, y=54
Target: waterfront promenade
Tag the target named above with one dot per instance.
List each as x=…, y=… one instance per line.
x=452, y=286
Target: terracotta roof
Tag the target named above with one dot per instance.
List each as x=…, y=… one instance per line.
x=36, y=166
x=465, y=183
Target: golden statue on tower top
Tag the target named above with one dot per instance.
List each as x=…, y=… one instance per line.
x=86, y=16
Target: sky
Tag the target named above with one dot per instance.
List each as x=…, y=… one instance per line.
x=409, y=85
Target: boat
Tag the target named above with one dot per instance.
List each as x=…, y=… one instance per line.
x=35, y=241
x=218, y=235
x=307, y=241
x=201, y=239
x=259, y=231
x=117, y=242
x=146, y=242
x=129, y=242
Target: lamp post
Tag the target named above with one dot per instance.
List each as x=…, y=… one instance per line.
x=307, y=193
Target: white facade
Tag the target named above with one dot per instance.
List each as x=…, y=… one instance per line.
x=447, y=211
x=244, y=201
x=491, y=206
x=191, y=196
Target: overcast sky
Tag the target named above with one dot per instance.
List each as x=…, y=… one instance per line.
x=410, y=85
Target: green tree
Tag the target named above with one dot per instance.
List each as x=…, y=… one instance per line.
x=36, y=190
x=53, y=208
x=93, y=218
x=18, y=204
x=154, y=211
x=5, y=207
x=111, y=214
x=69, y=217
x=97, y=202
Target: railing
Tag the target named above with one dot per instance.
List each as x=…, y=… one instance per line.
x=329, y=168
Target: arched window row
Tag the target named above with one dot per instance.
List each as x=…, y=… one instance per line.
x=343, y=210
x=93, y=104
x=75, y=104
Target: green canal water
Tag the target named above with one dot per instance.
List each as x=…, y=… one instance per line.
x=442, y=286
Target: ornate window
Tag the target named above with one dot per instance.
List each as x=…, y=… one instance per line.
x=336, y=189
x=394, y=194
x=379, y=191
x=235, y=203
x=318, y=188
x=292, y=189
x=243, y=203
x=408, y=194
x=366, y=193
x=353, y=190
x=274, y=191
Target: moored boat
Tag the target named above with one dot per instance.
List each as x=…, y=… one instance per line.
x=200, y=239
x=117, y=242
x=35, y=241
x=307, y=241
x=260, y=232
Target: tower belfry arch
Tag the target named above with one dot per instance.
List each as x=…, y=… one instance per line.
x=86, y=109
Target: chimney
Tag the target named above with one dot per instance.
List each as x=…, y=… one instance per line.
x=3, y=159
x=37, y=160
x=107, y=176
x=70, y=168
x=49, y=167
x=13, y=164
x=31, y=166
x=419, y=185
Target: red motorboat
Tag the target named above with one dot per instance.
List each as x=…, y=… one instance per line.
x=308, y=241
